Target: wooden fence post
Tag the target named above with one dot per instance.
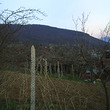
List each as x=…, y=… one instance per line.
x=58, y=69
x=50, y=68
x=45, y=66
x=72, y=70
x=61, y=70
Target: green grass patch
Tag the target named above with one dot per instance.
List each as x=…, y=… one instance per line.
x=65, y=77
x=40, y=105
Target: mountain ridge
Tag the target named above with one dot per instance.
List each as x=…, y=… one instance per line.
x=106, y=38
x=42, y=34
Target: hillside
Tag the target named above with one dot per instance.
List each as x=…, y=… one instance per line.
x=41, y=34
x=106, y=39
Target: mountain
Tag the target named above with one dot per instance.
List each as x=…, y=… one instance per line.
x=42, y=34
x=106, y=39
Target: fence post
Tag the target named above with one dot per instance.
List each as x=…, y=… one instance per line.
x=45, y=67
x=50, y=68
x=72, y=70
x=58, y=69
x=32, y=77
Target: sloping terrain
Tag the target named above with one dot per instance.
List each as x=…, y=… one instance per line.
x=65, y=94
x=106, y=39
x=41, y=34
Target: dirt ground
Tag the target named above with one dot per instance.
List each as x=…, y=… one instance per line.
x=71, y=95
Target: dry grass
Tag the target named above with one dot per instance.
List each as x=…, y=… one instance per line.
x=70, y=95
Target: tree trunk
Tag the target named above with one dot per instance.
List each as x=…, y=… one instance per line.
x=106, y=94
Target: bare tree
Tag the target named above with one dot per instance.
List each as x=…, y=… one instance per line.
x=94, y=57
x=10, y=23
x=83, y=20
x=105, y=34
x=20, y=17
x=75, y=21
x=105, y=62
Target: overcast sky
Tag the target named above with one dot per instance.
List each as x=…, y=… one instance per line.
x=61, y=12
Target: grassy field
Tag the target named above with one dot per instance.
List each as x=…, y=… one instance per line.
x=51, y=93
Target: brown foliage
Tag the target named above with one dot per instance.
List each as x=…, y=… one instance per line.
x=74, y=95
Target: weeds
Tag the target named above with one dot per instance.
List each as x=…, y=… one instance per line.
x=51, y=93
